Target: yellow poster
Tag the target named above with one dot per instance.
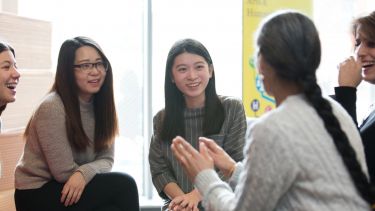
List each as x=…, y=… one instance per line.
x=255, y=99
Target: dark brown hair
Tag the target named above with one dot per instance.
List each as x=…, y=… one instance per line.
x=367, y=24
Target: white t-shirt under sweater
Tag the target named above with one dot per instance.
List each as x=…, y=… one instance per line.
x=48, y=154
x=292, y=164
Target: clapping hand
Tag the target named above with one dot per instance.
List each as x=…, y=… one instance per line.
x=191, y=160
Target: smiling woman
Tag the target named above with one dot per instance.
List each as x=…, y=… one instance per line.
x=192, y=109
x=351, y=72
x=68, y=165
x=89, y=72
x=9, y=76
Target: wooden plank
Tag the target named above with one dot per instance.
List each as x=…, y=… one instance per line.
x=31, y=39
x=7, y=200
x=11, y=148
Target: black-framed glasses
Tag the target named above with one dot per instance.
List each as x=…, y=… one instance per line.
x=88, y=67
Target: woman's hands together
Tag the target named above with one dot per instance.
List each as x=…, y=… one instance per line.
x=186, y=202
x=209, y=154
x=221, y=159
x=191, y=160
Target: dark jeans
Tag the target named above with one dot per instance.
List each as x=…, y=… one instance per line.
x=107, y=191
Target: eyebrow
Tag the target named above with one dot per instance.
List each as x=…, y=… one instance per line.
x=6, y=62
x=180, y=65
x=88, y=60
x=199, y=62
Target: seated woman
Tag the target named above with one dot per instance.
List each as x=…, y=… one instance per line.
x=9, y=76
x=69, y=147
x=305, y=155
x=192, y=109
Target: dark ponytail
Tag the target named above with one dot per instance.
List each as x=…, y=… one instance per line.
x=294, y=54
x=313, y=94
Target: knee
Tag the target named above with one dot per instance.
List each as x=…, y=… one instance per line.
x=125, y=181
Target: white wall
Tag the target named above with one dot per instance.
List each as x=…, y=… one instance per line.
x=215, y=23
x=218, y=25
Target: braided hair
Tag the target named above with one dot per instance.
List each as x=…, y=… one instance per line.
x=295, y=55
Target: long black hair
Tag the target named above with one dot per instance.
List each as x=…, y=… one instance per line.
x=294, y=53
x=173, y=123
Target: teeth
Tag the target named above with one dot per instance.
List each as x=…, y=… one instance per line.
x=368, y=63
x=11, y=85
x=193, y=85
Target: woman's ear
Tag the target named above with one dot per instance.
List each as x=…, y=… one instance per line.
x=211, y=69
x=172, y=79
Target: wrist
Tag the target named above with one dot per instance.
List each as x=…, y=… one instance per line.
x=228, y=173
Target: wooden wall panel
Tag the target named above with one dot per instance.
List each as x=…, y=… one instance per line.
x=32, y=42
x=30, y=38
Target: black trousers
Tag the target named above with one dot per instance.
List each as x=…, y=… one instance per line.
x=108, y=191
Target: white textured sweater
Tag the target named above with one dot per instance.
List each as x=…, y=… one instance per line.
x=291, y=164
x=48, y=154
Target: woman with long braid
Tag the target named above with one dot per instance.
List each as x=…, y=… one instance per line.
x=305, y=155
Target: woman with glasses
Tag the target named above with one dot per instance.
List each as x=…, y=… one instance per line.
x=69, y=149
x=192, y=109
x=9, y=76
x=304, y=155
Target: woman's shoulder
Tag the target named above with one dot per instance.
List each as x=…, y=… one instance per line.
x=338, y=109
x=229, y=101
x=51, y=103
x=159, y=115
x=158, y=119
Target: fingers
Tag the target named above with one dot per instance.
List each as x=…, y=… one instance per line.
x=66, y=196
x=186, y=146
x=182, y=149
x=70, y=196
x=174, y=203
x=64, y=193
x=182, y=204
x=77, y=196
x=210, y=144
x=204, y=151
x=192, y=206
x=178, y=151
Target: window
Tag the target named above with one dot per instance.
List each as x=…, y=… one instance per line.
x=120, y=29
x=123, y=29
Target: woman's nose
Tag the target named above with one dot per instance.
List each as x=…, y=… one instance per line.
x=192, y=74
x=362, y=50
x=15, y=73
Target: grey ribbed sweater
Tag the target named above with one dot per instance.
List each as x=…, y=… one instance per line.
x=291, y=164
x=166, y=169
x=48, y=155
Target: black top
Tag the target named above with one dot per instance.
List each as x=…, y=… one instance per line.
x=347, y=97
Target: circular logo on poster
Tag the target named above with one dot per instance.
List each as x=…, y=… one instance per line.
x=255, y=105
